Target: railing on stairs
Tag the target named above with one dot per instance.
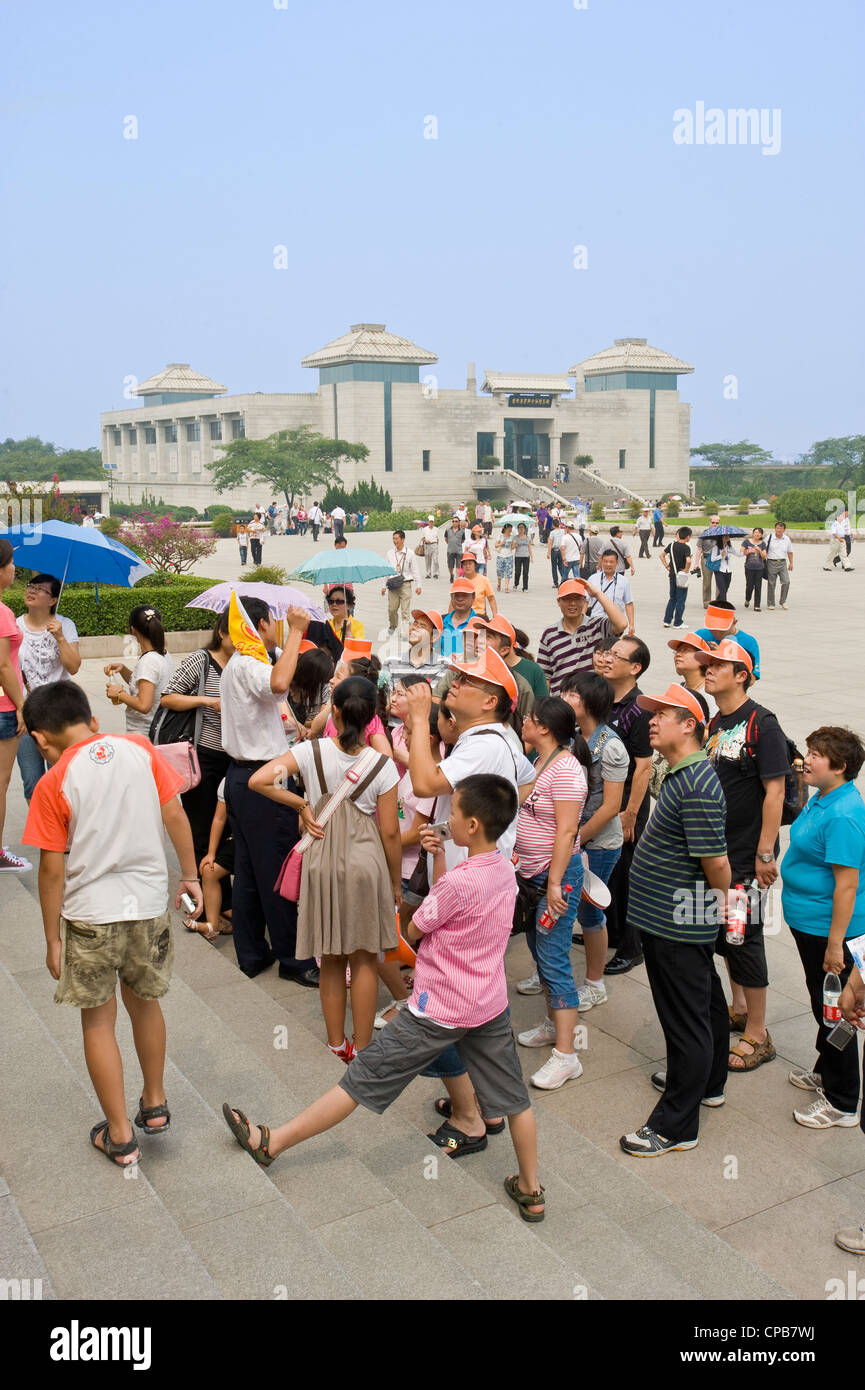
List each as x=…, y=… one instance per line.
x=584, y=476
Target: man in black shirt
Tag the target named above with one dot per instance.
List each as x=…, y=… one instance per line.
x=748, y=751
x=628, y=658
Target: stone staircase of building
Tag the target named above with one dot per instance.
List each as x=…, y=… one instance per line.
x=581, y=481
x=371, y=1210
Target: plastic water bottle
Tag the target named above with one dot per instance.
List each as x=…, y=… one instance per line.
x=737, y=915
x=548, y=918
x=831, y=995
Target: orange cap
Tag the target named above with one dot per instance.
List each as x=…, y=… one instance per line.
x=469, y=555
x=573, y=586
x=678, y=696
x=497, y=624
x=462, y=586
x=306, y=646
x=354, y=646
x=690, y=639
x=719, y=619
x=432, y=614
x=489, y=667
x=728, y=650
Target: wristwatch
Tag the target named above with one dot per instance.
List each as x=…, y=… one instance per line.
x=766, y=858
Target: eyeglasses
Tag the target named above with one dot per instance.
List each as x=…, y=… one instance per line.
x=39, y=589
x=460, y=679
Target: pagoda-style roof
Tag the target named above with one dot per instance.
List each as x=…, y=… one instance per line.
x=549, y=383
x=180, y=378
x=368, y=342
x=629, y=355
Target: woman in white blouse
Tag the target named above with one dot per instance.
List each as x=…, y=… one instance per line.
x=148, y=679
x=49, y=652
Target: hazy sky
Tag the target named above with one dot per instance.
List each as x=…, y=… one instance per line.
x=304, y=126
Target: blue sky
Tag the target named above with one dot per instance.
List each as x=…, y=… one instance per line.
x=304, y=127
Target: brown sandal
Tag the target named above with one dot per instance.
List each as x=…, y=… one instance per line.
x=763, y=1052
x=738, y=1022
x=239, y=1126
x=524, y=1200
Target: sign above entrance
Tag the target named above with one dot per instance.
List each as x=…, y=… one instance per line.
x=524, y=399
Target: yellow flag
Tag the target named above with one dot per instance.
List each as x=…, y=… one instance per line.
x=244, y=636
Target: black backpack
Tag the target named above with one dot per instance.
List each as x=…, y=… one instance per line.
x=795, y=791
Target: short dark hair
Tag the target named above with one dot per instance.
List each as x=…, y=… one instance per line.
x=56, y=586
x=340, y=540
x=6, y=552
x=556, y=715
x=725, y=604
x=842, y=747
x=680, y=714
x=608, y=551
x=684, y=532
x=54, y=707
x=256, y=610
x=781, y=523
x=749, y=675
x=639, y=651
x=490, y=799
x=615, y=530
x=399, y=533
x=594, y=690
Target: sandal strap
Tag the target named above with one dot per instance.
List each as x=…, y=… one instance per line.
x=112, y=1149
x=154, y=1112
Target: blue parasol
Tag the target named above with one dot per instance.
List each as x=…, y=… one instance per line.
x=352, y=566
x=75, y=554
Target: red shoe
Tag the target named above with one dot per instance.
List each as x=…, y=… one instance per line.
x=346, y=1053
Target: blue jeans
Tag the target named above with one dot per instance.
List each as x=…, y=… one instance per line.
x=8, y=723
x=601, y=862
x=552, y=949
x=31, y=764
x=558, y=567
x=676, y=602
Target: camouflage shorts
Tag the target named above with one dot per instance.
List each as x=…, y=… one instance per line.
x=140, y=953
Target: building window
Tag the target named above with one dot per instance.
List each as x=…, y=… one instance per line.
x=133, y=438
x=238, y=429
x=118, y=439
x=151, y=459
x=150, y=434
x=195, y=462
x=426, y=460
x=216, y=429
x=193, y=433
x=171, y=434
x=622, y=458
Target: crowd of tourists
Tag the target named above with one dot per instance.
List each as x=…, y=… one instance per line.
x=381, y=823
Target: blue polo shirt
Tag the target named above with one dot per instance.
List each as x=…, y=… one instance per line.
x=743, y=638
x=830, y=830
x=451, y=644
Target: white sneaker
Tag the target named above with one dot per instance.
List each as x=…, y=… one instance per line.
x=380, y=1021
x=822, y=1115
x=530, y=985
x=542, y=1036
x=659, y=1081
x=555, y=1072
x=13, y=863
x=589, y=995
x=805, y=1080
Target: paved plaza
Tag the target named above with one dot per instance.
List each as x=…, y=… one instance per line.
x=369, y=1211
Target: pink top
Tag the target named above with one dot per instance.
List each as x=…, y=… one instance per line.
x=9, y=628
x=397, y=738
x=374, y=726
x=410, y=806
x=563, y=780
x=466, y=921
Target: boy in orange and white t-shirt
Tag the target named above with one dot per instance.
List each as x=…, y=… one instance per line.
x=101, y=808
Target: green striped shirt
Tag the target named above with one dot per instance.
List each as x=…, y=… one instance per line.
x=668, y=895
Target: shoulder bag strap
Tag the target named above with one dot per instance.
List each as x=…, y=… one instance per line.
x=370, y=776
x=319, y=765
x=482, y=733
x=354, y=775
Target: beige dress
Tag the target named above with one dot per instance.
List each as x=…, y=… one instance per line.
x=346, y=897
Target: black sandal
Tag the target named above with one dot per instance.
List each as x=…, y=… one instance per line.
x=240, y=1129
x=444, y=1108
x=153, y=1112
x=456, y=1142
x=111, y=1150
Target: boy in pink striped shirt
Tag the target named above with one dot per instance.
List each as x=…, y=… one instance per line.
x=459, y=998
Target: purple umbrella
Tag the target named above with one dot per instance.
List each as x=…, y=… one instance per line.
x=278, y=597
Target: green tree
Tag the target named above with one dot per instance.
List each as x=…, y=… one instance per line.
x=290, y=462
x=37, y=460
x=723, y=455
x=366, y=497
x=583, y=461
x=846, y=453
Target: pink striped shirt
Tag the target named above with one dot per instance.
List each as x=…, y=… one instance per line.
x=563, y=780
x=466, y=921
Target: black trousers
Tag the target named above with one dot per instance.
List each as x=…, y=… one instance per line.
x=338, y=528
x=659, y=534
x=316, y=525
x=753, y=586
x=692, y=1012
x=723, y=583
x=200, y=803
x=255, y=546
x=839, y=1070
x=622, y=935
x=521, y=567
x=644, y=544
x=263, y=835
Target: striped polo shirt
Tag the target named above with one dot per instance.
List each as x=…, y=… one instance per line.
x=560, y=652
x=668, y=895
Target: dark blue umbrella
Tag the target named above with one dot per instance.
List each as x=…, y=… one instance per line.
x=75, y=553
x=723, y=531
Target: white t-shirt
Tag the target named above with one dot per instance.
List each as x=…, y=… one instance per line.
x=39, y=656
x=251, y=722
x=570, y=548
x=338, y=514
x=336, y=764
x=484, y=749
x=149, y=667
x=477, y=548
x=778, y=546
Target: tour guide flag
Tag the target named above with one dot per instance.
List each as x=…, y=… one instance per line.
x=244, y=636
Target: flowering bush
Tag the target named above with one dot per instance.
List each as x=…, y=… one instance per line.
x=166, y=544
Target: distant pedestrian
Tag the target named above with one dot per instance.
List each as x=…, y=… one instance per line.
x=643, y=529
x=779, y=560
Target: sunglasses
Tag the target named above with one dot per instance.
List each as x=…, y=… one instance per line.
x=470, y=680
x=336, y=600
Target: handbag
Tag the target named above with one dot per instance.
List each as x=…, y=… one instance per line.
x=184, y=759
x=180, y=725
x=418, y=550
x=288, y=882
x=397, y=580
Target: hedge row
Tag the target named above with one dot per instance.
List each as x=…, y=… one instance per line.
x=111, y=614
x=810, y=504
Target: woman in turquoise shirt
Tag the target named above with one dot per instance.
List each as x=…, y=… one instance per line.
x=823, y=897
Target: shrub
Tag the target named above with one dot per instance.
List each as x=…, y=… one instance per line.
x=673, y=508
x=216, y=508
x=397, y=521
x=166, y=544
x=597, y=512
x=222, y=525
x=810, y=504
x=364, y=497
x=488, y=462
x=710, y=506
x=265, y=574
x=635, y=506
x=745, y=504
x=168, y=593
x=110, y=525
